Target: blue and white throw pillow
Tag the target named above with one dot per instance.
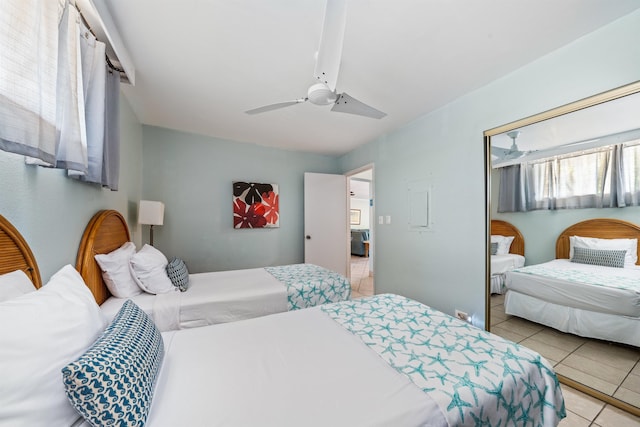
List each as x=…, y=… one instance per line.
x=178, y=274
x=602, y=257
x=112, y=383
x=494, y=248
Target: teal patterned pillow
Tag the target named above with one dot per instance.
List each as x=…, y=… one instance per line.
x=112, y=382
x=494, y=248
x=602, y=257
x=178, y=273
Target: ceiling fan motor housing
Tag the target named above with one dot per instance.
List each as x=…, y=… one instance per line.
x=320, y=94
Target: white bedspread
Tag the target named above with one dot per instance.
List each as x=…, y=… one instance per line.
x=274, y=371
x=215, y=297
x=600, y=298
x=506, y=262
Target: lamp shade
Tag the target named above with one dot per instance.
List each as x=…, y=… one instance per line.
x=151, y=213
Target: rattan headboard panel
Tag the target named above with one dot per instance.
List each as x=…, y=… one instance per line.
x=106, y=232
x=15, y=253
x=504, y=228
x=602, y=228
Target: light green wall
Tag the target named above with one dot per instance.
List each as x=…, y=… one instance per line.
x=51, y=210
x=540, y=229
x=445, y=268
x=193, y=175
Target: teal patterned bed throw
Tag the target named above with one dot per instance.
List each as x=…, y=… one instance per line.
x=476, y=378
x=309, y=285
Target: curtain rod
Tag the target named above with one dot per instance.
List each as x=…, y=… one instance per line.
x=86, y=24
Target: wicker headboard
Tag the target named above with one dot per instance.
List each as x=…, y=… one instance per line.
x=504, y=228
x=106, y=232
x=15, y=253
x=602, y=228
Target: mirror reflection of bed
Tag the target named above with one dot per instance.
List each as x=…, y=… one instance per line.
x=507, y=252
x=590, y=332
x=584, y=318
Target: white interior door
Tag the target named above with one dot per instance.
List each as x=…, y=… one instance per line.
x=326, y=236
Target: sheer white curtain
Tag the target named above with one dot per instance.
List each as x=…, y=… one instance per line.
x=54, y=107
x=28, y=77
x=93, y=73
x=72, y=136
x=602, y=177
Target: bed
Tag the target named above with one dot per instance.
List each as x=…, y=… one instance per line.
x=377, y=361
x=509, y=258
x=593, y=301
x=212, y=297
x=15, y=253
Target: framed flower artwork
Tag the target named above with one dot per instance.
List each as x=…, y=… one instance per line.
x=255, y=205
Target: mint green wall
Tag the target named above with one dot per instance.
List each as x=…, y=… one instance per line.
x=193, y=174
x=445, y=268
x=51, y=210
x=540, y=229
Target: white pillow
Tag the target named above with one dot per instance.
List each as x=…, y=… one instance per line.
x=504, y=243
x=42, y=332
x=630, y=245
x=117, y=273
x=15, y=284
x=149, y=268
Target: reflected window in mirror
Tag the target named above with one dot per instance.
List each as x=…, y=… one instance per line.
x=607, y=176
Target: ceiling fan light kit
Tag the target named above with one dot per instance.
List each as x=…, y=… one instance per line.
x=326, y=70
x=320, y=94
x=511, y=153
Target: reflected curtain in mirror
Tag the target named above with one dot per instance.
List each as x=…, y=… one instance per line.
x=597, y=178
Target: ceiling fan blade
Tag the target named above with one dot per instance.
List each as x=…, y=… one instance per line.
x=348, y=104
x=499, y=152
x=330, y=49
x=275, y=106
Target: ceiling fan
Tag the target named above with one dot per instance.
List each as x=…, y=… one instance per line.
x=510, y=153
x=326, y=71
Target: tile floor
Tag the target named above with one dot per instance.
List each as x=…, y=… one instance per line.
x=361, y=281
x=618, y=373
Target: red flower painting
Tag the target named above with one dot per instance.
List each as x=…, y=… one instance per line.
x=272, y=210
x=255, y=205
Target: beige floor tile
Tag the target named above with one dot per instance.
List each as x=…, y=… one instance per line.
x=521, y=326
x=507, y=333
x=586, y=379
x=621, y=357
x=361, y=281
x=597, y=368
x=497, y=300
x=498, y=317
x=559, y=339
x=628, y=396
x=549, y=352
x=366, y=285
x=497, y=308
x=636, y=369
x=574, y=420
x=586, y=406
x=632, y=382
x=614, y=417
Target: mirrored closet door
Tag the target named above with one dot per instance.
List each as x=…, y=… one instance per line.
x=571, y=171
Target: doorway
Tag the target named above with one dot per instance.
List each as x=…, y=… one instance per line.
x=361, y=224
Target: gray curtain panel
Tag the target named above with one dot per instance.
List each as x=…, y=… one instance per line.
x=548, y=184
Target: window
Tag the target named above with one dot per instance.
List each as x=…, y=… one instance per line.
x=600, y=177
x=58, y=102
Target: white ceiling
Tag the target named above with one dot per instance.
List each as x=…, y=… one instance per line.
x=612, y=122
x=201, y=63
x=359, y=189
